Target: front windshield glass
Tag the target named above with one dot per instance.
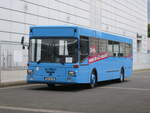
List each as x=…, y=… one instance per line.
x=53, y=50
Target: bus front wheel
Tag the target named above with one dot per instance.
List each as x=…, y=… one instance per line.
x=51, y=86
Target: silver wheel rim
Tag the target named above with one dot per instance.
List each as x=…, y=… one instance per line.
x=93, y=80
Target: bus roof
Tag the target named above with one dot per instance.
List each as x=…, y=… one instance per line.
x=69, y=31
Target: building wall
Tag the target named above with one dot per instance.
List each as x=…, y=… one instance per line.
x=122, y=17
x=127, y=18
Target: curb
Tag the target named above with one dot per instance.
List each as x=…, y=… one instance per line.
x=141, y=70
x=12, y=83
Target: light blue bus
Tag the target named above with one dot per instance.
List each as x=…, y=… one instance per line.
x=76, y=55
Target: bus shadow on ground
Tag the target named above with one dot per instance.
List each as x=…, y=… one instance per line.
x=74, y=88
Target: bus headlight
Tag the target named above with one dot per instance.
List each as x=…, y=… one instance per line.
x=29, y=72
x=72, y=73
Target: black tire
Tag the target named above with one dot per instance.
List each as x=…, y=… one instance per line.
x=93, y=81
x=51, y=86
x=122, y=77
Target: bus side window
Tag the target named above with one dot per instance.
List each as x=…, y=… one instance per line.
x=128, y=50
x=93, y=46
x=84, y=48
x=102, y=45
x=130, y=46
x=110, y=48
x=122, y=50
x=116, y=49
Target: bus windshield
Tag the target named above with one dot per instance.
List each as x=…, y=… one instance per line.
x=53, y=50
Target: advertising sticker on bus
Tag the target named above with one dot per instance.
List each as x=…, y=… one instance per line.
x=94, y=57
x=92, y=50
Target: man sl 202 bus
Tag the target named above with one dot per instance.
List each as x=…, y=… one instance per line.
x=76, y=55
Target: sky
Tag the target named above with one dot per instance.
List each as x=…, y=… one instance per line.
x=148, y=11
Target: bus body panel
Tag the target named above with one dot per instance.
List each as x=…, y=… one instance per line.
x=58, y=72
x=53, y=31
x=86, y=32
x=115, y=38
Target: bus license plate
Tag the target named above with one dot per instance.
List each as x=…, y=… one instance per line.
x=49, y=78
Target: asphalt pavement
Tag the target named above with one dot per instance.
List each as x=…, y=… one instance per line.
x=132, y=96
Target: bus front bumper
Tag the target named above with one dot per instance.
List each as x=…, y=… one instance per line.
x=52, y=80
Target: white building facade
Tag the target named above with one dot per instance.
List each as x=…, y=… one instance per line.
x=122, y=17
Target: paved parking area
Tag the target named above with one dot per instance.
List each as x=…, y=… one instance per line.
x=132, y=96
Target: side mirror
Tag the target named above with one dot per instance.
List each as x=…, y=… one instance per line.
x=23, y=47
x=22, y=43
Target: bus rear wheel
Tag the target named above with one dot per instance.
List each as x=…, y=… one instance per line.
x=92, y=81
x=122, y=76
